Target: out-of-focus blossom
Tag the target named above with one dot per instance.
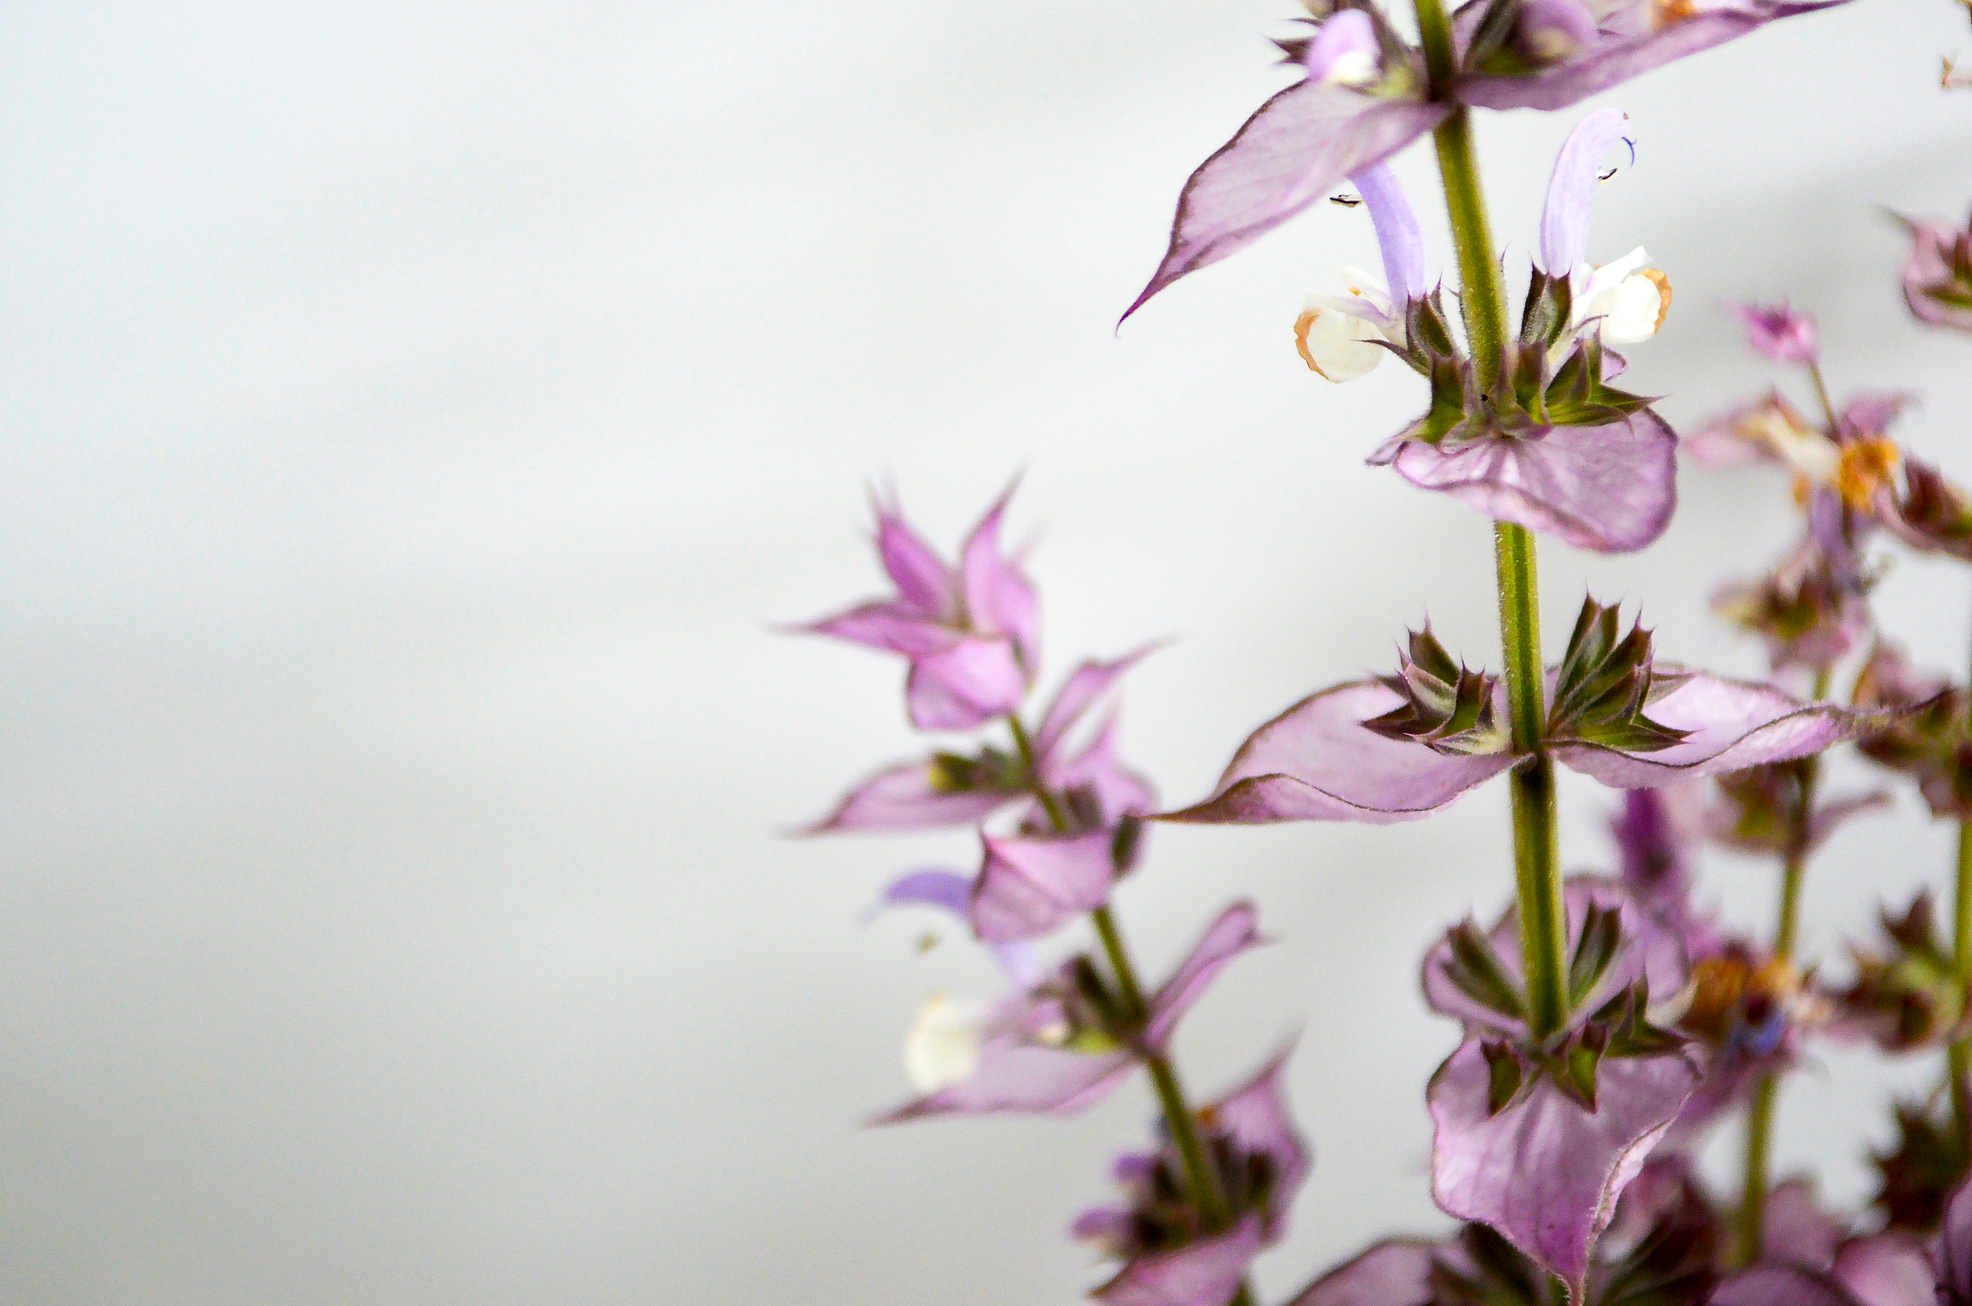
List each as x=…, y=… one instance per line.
x=971, y=630
x=1780, y=333
x=1931, y=514
x=1550, y=54
x=1811, y=610
x=1538, y=1139
x=1857, y=462
x=1390, y=750
x=1917, y=1175
x=957, y=789
x=1759, y=810
x=1937, y=275
x=1172, y=1256
x=1060, y=1041
x=1906, y=996
x=1891, y=1268
x=1924, y=735
x=1552, y=446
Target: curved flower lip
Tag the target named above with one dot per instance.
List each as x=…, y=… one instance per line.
x=1544, y=1171
x=1620, y=52
x=1018, y=1074
x=1206, y=1273
x=1315, y=762
x=1606, y=489
x=1300, y=144
x=1570, y=187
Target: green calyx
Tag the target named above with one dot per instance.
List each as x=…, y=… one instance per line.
x=1606, y=684
x=990, y=771
x=1447, y=707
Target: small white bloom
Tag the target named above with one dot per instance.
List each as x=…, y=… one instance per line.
x=1352, y=68
x=943, y=1046
x=1629, y=298
x=1336, y=334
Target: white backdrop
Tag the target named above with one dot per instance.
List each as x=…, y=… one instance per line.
x=418, y=415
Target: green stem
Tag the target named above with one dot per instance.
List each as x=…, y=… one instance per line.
x=1759, y=1121
x=1536, y=839
x=1827, y=405
x=1536, y=847
x=1178, y=1117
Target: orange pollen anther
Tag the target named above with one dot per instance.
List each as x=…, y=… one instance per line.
x=1663, y=284
x=1301, y=325
x=1865, y=468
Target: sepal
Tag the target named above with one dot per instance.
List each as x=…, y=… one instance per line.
x=1606, y=682
x=1446, y=706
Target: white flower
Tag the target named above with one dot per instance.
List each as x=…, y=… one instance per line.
x=943, y=1046
x=1629, y=298
x=1337, y=334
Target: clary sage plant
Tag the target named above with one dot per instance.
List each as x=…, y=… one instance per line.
x=1609, y=1021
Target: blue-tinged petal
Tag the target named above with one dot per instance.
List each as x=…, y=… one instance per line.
x=1397, y=232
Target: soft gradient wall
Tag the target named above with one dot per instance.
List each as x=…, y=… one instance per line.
x=417, y=416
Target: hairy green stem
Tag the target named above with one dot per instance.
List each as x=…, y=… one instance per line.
x=1958, y=1057
x=1759, y=1120
x=1178, y=1117
x=1536, y=849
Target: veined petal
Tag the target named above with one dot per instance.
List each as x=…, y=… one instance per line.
x=1301, y=143
x=1544, y=1171
x=888, y=625
x=1621, y=50
x=1028, y=887
x=1235, y=930
x=965, y=685
x=1316, y=762
x=1607, y=489
x=1733, y=724
x=1397, y=232
x=1393, y=1273
x=902, y=797
x=922, y=578
x=1204, y=1273
x=1571, y=187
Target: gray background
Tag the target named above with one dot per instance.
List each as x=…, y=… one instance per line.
x=418, y=415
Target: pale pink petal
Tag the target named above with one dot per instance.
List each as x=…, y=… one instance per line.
x=1955, y=1244
x=1084, y=686
x=1797, y=1230
x=1622, y=51
x=888, y=625
x=1888, y=1269
x=1781, y=1285
x=1545, y=1172
x=1235, y=930
x=922, y=578
x=1028, y=887
x=1734, y=724
x=1019, y=1076
x=1256, y=1116
x=1316, y=762
x=902, y=797
x=1118, y=790
x=1395, y=1273
x=966, y=685
x=950, y=892
x=999, y=600
x=1205, y=1273
x=1299, y=146
x=1607, y=489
